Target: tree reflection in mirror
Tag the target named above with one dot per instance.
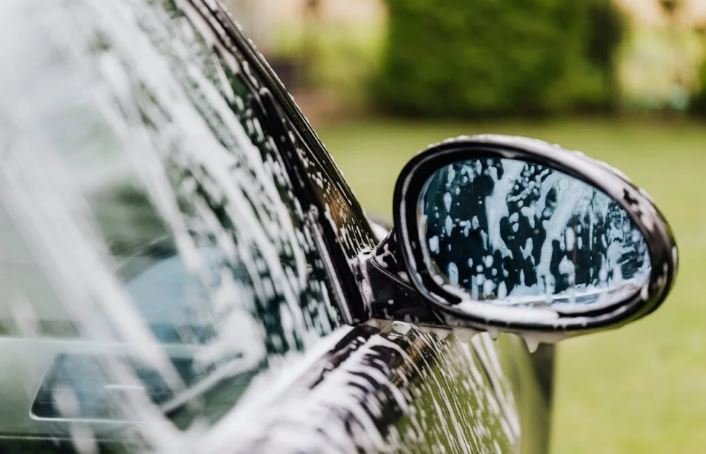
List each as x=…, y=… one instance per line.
x=520, y=233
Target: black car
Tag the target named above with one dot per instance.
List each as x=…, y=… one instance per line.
x=184, y=269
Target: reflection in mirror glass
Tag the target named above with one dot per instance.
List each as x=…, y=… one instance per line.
x=520, y=233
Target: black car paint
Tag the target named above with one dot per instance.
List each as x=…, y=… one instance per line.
x=349, y=237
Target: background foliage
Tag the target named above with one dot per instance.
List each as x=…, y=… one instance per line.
x=486, y=57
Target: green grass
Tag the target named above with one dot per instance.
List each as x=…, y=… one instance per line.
x=641, y=388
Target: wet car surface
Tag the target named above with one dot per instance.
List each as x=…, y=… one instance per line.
x=184, y=269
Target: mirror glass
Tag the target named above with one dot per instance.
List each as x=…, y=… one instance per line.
x=512, y=232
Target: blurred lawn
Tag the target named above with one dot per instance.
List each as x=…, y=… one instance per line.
x=638, y=389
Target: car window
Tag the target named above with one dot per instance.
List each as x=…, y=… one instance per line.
x=155, y=255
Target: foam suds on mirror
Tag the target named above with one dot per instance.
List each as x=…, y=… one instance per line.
x=540, y=196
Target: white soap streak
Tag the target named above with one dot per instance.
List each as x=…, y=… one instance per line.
x=69, y=250
x=496, y=204
x=60, y=229
x=491, y=311
x=555, y=227
x=266, y=393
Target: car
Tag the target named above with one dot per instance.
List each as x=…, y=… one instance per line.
x=183, y=267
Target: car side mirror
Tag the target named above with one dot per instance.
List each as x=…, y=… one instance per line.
x=519, y=235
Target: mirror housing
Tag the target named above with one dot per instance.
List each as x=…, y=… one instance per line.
x=408, y=257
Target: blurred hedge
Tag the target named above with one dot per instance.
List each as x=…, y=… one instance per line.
x=484, y=57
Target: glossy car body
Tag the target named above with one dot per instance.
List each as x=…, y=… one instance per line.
x=328, y=374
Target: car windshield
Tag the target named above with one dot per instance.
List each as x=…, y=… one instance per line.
x=154, y=255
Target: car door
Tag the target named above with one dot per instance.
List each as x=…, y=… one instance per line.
x=190, y=276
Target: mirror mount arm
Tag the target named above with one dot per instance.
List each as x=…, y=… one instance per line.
x=391, y=295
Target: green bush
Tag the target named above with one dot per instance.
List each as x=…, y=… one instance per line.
x=484, y=57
